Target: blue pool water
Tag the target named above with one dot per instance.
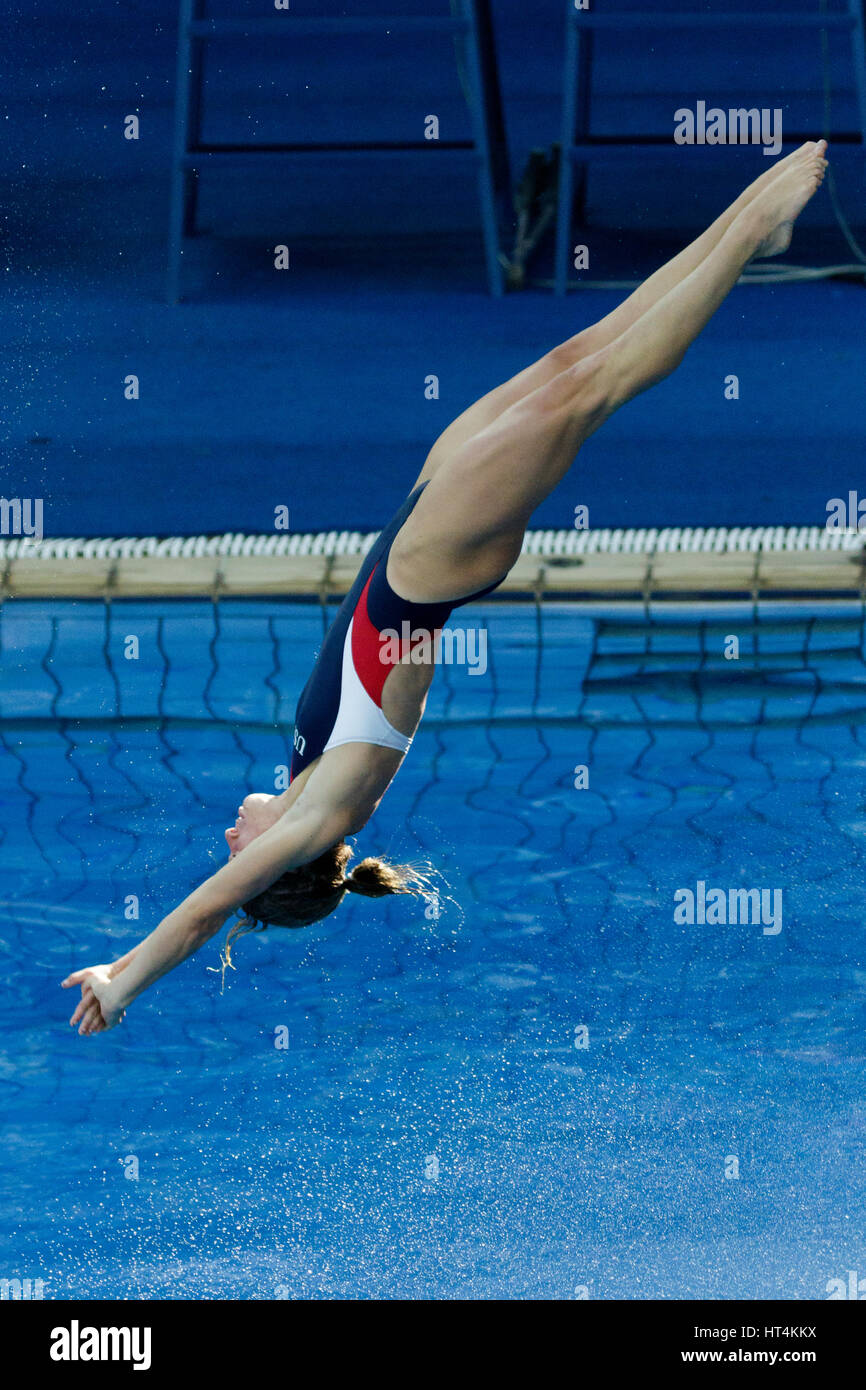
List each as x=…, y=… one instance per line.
x=432, y=1130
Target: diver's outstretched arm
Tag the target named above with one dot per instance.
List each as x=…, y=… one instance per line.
x=302, y=834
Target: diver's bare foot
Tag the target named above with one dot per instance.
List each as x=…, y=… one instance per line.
x=781, y=201
x=769, y=176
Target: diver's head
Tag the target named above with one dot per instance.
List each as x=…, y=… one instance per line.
x=305, y=895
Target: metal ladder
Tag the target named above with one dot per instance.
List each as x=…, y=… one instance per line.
x=579, y=146
x=470, y=24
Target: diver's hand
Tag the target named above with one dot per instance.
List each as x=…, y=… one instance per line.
x=98, y=1008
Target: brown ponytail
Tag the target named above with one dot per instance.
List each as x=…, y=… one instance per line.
x=374, y=878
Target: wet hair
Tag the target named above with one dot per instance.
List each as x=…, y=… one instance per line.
x=306, y=895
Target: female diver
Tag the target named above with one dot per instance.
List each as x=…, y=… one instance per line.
x=455, y=537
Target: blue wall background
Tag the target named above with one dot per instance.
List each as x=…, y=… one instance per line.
x=306, y=389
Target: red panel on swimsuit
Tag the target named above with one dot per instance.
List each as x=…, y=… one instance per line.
x=368, y=649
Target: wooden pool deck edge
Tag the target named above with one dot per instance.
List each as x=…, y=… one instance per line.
x=127, y=569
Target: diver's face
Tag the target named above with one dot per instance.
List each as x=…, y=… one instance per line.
x=256, y=813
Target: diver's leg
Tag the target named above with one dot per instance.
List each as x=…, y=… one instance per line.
x=598, y=335
x=468, y=525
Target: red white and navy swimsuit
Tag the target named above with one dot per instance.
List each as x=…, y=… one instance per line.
x=342, y=700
